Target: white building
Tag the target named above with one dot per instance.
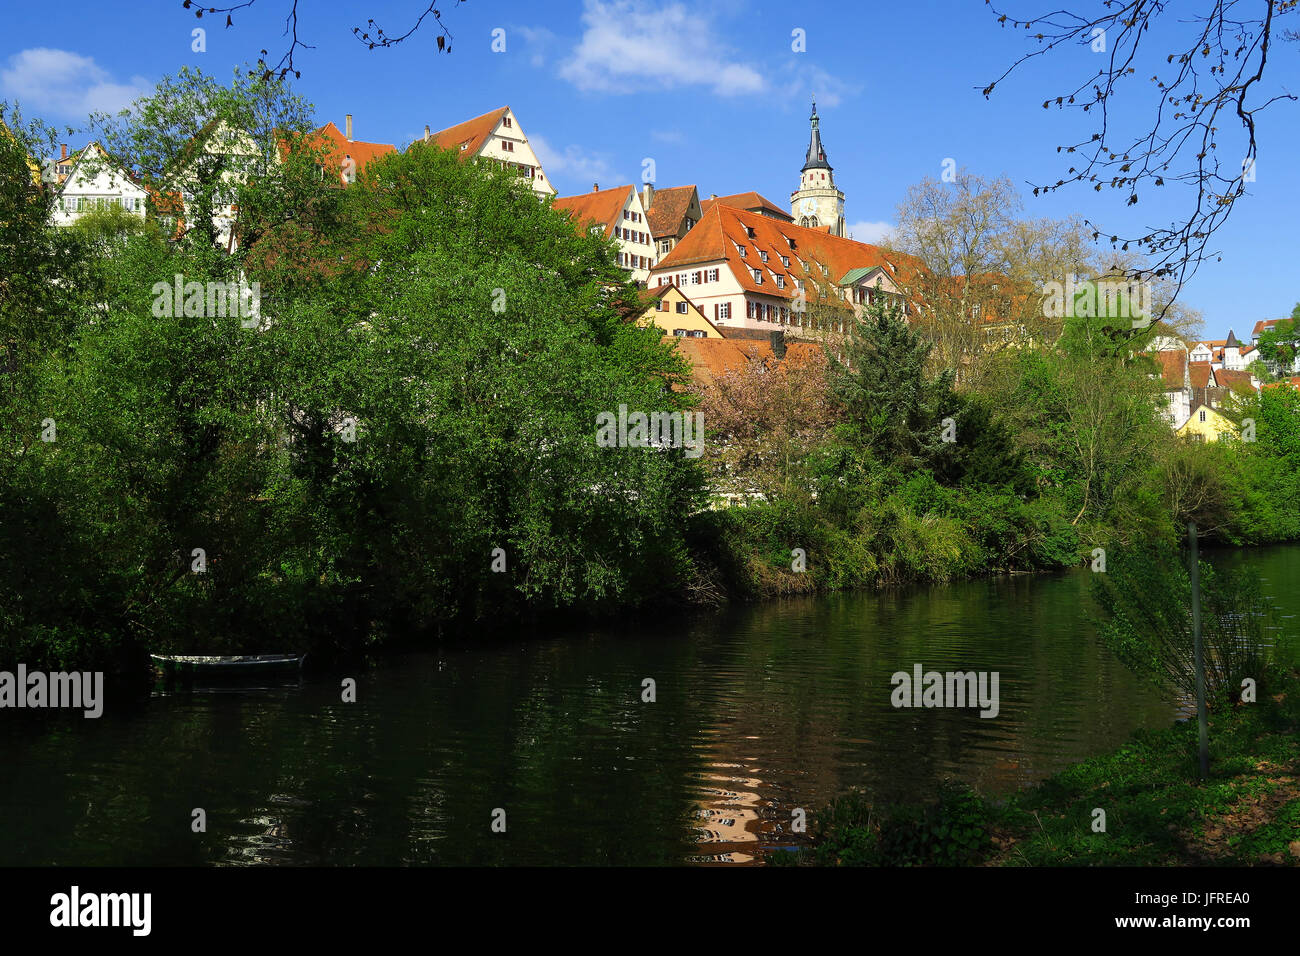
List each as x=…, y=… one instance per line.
x=750, y=270
x=618, y=213
x=90, y=179
x=499, y=137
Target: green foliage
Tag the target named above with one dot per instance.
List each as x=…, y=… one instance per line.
x=1145, y=598
x=953, y=831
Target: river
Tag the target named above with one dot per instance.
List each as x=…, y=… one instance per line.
x=758, y=711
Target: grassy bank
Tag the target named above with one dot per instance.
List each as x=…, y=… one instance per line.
x=1157, y=812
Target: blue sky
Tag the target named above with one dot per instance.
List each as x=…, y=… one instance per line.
x=711, y=91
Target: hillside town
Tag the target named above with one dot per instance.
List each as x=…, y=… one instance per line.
x=737, y=271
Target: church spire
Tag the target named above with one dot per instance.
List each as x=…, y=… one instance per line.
x=816, y=152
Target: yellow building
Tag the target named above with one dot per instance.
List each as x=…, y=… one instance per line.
x=32, y=164
x=675, y=314
x=1206, y=425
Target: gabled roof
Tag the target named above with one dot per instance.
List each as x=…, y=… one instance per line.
x=752, y=201
x=1202, y=374
x=1263, y=325
x=471, y=134
x=1173, y=368
x=339, y=146
x=655, y=293
x=601, y=208
x=1237, y=381
x=725, y=228
x=667, y=209
x=90, y=149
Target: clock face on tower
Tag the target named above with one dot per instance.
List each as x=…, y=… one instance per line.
x=809, y=206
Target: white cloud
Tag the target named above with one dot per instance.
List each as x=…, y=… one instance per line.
x=574, y=165
x=805, y=81
x=870, y=231
x=66, y=85
x=538, y=42
x=629, y=47
x=667, y=136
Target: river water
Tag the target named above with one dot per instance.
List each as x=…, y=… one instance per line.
x=758, y=711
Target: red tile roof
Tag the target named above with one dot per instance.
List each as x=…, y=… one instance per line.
x=712, y=358
x=1263, y=325
x=471, y=134
x=751, y=201
x=1237, y=381
x=1202, y=374
x=339, y=147
x=724, y=228
x=1173, y=364
x=1292, y=382
x=601, y=208
x=667, y=208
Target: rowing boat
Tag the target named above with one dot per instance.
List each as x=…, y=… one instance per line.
x=256, y=665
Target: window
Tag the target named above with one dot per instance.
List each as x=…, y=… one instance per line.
x=665, y=245
x=780, y=282
x=724, y=310
x=695, y=278
x=751, y=309
x=508, y=146
x=507, y=122
x=785, y=261
x=661, y=305
x=711, y=275
x=749, y=231
x=689, y=224
x=758, y=276
x=762, y=254
x=743, y=253
x=1202, y=415
x=682, y=308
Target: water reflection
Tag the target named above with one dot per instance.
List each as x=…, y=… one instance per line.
x=759, y=712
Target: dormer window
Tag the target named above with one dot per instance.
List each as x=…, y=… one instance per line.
x=749, y=231
x=762, y=254
x=743, y=253
x=785, y=261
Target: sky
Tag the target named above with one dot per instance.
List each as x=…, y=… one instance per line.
x=714, y=93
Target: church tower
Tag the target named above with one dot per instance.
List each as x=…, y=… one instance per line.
x=817, y=203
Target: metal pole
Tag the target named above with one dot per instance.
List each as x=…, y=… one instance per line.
x=1202, y=726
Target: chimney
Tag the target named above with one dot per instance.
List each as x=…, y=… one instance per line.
x=777, y=337
x=648, y=195
x=348, y=123
x=595, y=187
x=713, y=195
x=426, y=134
x=63, y=148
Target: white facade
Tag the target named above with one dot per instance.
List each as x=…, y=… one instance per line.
x=497, y=136
x=632, y=233
x=242, y=157
x=91, y=180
